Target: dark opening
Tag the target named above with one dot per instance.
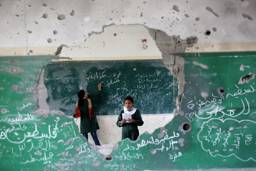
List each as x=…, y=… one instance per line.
x=186, y=127
x=208, y=33
x=221, y=90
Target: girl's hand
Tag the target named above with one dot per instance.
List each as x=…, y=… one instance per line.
x=130, y=121
x=100, y=86
x=122, y=122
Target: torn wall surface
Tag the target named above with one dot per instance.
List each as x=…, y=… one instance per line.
x=32, y=27
x=215, y=107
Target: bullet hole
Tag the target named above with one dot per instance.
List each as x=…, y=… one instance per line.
x=176, y=8
x=45, y=15
x=29, y=31
x=17, y=15
x=144, y=2
x=44, y=4
x=186, y=127
x=212, y=11
x=214, y=29
x=245, y=79
x=72, y=13
x=108, y=157
x=141, y=14
x=191, y=40
x=114, y=34
x=186, y=15
x=30, y=51
x=29, y=5
x=221, y=90
x=197, y=18
x=55, y=32
x=207, y=33
x=162, y=17
x=61, y=17
x=49, y=40
x=246, y=16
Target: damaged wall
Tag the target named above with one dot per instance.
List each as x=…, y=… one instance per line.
x=39, y=27
x=215, y=118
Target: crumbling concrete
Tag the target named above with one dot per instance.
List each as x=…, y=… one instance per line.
x=171, y=47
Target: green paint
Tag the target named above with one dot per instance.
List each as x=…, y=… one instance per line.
x=18, y=83
x=222, y=134
x=149, y=82
x=34, y=141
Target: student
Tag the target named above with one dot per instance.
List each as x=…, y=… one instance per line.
x=88, y=122
x=129, y=118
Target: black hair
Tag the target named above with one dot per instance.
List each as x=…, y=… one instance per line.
x=129, y=98
x=80, y=96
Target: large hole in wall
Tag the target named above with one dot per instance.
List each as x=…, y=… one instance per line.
x=145, y=66
x=150, y=70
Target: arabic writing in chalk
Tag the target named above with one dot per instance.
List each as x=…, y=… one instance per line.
x=218, y=111
x=206, y=109
x=229, y=137
x=241, y=92
x=24, y=117
x=167, y=144
x=37, y=142
x=18, y=135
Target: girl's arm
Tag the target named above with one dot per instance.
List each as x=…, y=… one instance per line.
x=137, y=119
x=120, y=121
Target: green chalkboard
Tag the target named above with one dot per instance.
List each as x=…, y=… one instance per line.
x=150, y=83
x=218, y=106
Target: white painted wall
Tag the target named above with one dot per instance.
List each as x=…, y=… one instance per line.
x=109, y=133
x=24, y=30
x=116, y=43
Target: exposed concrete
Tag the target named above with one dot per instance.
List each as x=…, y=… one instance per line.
x=171, y=47
x=247, y=78
x=233, y=20
x=43, y=107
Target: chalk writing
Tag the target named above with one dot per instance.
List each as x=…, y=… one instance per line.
x=119, y=79
x=46, y=158
x=241, y=92
x=24, y=106
x=167, y=144
x=229, y=137
x=18, y=118
x=18, y=136
x=95, y=75
x=156, y=141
